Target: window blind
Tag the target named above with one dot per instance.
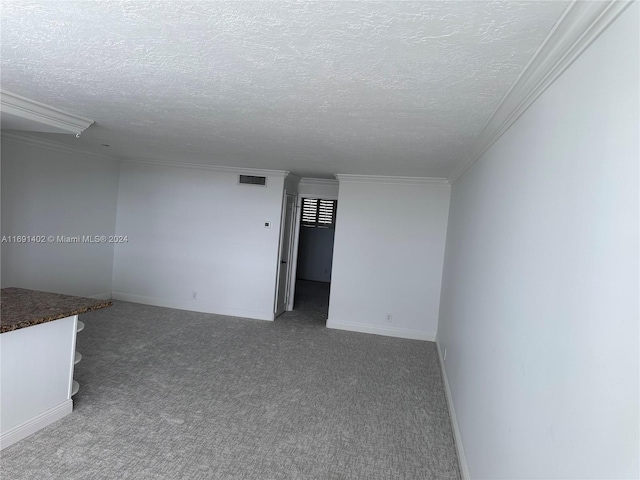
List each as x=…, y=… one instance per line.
x=318, y=213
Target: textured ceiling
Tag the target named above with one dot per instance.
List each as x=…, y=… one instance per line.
x=317, y=88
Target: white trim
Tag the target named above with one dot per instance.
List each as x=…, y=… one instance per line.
x=292, y=263
x=294, y=253
x=318, y=181
x=28, y=109
x=462, y=459
x=378, y=179
x=292, y=177
x=283, y=212
x=291, y=182
x=101, y=296
x=283, y=221
x=193, y=306
x=51, y=144
x=36, y=423
x=581, y=23
x=220, y=168
x=380, y=330
x=318, y=196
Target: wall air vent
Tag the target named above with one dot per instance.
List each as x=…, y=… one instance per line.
x=251, y=180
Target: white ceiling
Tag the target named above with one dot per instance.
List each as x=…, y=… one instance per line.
x=316, y=88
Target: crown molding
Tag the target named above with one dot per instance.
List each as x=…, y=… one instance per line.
x=294, y=178
x=218, y=168
x=57, y=120
x=580, y=24
x=319, y=181
x=391, y=180
x=51, y=144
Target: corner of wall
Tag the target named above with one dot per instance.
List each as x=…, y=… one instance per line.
x=462, y=460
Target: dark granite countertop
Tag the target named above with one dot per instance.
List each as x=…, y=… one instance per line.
x=22, y=308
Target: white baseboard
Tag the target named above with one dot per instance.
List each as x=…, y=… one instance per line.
x=195, y=306
x=102, y=296
x=464, y=470
x=29, y=427
x=381, y=330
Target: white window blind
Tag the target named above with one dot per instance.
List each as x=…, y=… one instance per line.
x=318, y=213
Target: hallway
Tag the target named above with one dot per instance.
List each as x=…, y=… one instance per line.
x=311, y=306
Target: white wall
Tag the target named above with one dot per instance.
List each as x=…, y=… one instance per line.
x=193, y=229
x=48, y=190
x=319, y=188
x=388, y=255
x=539, y=311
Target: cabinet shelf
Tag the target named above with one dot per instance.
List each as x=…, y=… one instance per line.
x=75, y=388
x=77, y=357
x=80, y=326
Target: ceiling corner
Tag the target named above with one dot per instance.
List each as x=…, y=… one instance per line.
x=581, y=23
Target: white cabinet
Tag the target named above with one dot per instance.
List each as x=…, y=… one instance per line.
x=36, y=377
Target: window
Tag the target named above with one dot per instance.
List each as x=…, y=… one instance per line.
x=318, y=213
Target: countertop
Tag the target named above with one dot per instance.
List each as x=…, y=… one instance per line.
x=22, y=308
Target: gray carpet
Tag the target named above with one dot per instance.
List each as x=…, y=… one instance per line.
x=169, y=394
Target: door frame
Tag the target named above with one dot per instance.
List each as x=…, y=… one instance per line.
x=288, y=254
x=296, y=242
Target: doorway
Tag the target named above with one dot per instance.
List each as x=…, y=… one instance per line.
x=313, y=251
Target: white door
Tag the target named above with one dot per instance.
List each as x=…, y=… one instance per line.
x=285, y=253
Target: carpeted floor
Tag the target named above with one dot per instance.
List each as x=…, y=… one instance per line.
x=169, y=394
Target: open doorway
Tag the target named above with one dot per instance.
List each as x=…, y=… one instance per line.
x=313, y=260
